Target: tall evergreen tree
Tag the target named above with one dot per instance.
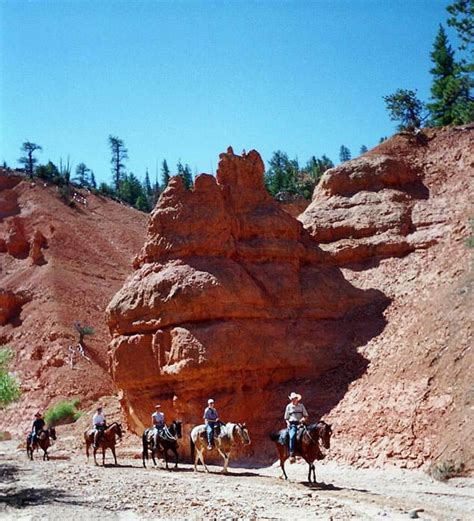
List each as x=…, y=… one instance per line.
x=450, y=90
x=82, y=175
x=344, y=154
x=363, y=149
x=29, y=160
x=147, y=186
x=184, y=171
x=165, y=174
x=119, y=155
x=462, y=19
x=93, y=181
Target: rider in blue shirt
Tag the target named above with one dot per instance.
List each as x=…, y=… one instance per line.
x=211, y=419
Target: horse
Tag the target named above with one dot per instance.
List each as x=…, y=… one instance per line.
x=42, y=441
x=106, y=441
x=307, y=447
x=168, y=440
x=222, y=442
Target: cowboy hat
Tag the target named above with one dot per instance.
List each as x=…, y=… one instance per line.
x=295, y=395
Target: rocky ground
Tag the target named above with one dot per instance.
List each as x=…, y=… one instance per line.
x=67, y=486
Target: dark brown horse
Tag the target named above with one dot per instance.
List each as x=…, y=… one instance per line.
x=307, y=445
x=42, y=441
x=106, y=441
x=167, y=439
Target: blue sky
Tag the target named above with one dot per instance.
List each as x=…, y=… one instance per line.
x=184, y=80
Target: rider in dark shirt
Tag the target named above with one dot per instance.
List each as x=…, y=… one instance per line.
x=38, y=426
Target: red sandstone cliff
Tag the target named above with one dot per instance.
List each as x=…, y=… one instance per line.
x=232, y=299
x=397, y=219
x=59, y=264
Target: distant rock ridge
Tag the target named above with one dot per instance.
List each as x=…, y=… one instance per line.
x=232, y=298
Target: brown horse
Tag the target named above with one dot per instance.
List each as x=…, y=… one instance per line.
x=42, y=441
x=106, y=441
x=307, y=447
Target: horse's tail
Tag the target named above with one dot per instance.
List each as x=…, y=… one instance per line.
x=145, y=448
x=192, y=447
x=274, y=436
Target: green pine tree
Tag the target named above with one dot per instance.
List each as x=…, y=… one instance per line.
x=450, y=88
x=344, y=154
x=165, y=174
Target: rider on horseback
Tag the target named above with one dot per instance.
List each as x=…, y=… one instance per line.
x=295, y=416
x=38, y=427
x=211, y=419
x=158, y=419
x=99, y=425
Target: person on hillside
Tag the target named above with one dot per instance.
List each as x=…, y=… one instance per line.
x=211, y=419
x=38, y=427
x=158, y=419
x=99, y=425
x=295, y=416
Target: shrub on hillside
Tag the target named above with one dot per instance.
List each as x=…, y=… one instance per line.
x=9, y=386
x=444, y=470
x=62, y=413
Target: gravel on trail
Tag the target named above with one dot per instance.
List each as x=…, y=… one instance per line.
x=67, y=486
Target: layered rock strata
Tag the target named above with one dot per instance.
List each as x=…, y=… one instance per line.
x=231, y=298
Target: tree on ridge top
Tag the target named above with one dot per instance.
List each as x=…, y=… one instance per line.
x=119, y=155
x=29, y=160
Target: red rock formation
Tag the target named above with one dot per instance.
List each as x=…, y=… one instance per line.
x=398, y=220
x=16, y=240
x=232, y=299
x=10, y=305
x=37, y=244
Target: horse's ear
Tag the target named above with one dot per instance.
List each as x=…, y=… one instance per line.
x=244, y=425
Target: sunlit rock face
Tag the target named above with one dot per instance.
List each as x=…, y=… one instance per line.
x=232, y=299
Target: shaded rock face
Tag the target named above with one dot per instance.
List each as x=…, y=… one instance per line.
x=231, y=298
x=399, y=220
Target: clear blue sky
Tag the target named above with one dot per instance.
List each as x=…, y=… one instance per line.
x=184, y=80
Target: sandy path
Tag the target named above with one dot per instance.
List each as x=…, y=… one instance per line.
x=62, y=489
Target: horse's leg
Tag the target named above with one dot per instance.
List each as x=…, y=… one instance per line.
x=314, y=473
x=226, y=460
x=175, y=457
x=95, y=454
x=103, y=455
x=283, y=457
x=165, y=454
x=309, y=473
x=112, y=448
x=201, y=457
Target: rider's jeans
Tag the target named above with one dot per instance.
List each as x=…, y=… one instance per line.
x=292, y=430
x=210, y=432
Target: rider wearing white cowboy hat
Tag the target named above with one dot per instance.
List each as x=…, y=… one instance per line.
x=295, y=415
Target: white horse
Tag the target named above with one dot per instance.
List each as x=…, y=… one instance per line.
x=223, y=442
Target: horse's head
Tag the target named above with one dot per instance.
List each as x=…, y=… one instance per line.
x=118, y=430
x=324, y=432
x=243, y=433
x=177, y=428
x=52, y=433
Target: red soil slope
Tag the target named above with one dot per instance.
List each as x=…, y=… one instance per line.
x=406, y=235
x=59, y=264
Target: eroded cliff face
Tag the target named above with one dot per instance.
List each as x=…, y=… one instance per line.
x=231, y=298
x=398, y=220
x=59, y=264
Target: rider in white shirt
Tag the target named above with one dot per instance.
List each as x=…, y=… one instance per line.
x=99, y=425
x=158, y=419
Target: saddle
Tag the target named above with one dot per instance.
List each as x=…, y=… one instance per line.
x=284, y=436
